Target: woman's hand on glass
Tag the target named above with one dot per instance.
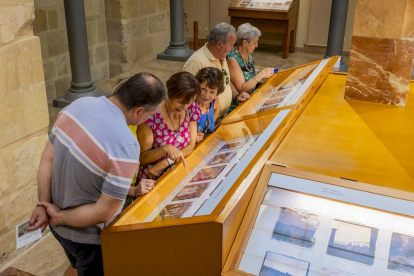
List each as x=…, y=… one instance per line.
x=174, y=154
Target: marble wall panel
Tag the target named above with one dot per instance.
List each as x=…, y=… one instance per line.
x=380, y=70
x=380, y=18
x=408, y=27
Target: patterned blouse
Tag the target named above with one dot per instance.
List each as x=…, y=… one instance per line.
x=163, y=135
x=249, y=72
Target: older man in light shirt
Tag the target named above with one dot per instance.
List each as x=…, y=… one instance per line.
x=213, y=54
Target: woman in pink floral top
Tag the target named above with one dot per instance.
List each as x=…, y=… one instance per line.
x=170, y=134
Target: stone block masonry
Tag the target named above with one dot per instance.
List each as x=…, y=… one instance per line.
x=137, y=31
x=24, y=117
x=50, y=25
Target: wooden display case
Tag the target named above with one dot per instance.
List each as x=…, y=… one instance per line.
x=323, y=153
x=295, y=86
x=270, y=21
x=297, y=223
x=140, y=241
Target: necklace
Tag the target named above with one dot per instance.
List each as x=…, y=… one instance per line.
x=248, y=67
x=178, y=139
x=207, y=123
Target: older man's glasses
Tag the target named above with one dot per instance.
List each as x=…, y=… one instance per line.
x=226, y=75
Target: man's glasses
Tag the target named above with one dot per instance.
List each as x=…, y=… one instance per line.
x=226, y=75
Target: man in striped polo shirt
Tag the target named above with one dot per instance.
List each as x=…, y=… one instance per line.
x=86, y=168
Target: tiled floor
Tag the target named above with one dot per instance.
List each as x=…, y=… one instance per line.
x=46, y=257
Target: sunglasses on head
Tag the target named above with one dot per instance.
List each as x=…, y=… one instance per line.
x=226, y=75
x=207, y=130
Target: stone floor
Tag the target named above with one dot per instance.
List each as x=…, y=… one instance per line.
x=46, y=257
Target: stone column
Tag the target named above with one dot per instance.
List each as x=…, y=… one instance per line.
x=337, y=25
x=24, y=119
x=177, y=50
x=382, y=52
x=81, y=84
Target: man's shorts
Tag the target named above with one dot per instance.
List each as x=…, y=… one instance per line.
x=85, y=258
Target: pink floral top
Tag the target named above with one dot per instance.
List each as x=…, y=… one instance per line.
x=163, y=135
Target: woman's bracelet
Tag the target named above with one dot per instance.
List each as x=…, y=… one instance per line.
x=255, y=79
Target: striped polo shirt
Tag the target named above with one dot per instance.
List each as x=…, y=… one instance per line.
x=94, y=152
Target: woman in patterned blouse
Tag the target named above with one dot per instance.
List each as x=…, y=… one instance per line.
x=243, y=72
x=170, y=134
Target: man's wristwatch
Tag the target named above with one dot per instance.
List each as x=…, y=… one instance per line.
x=235, y=98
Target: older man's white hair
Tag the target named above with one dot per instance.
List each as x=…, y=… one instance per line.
x=246, y=32
x=220, y=32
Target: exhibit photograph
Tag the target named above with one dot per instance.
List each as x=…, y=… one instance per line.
x=296, y=227
x=353, y=242
x=276, y=264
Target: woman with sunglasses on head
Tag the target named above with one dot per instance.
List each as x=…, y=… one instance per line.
x=212, y=84
x=170, y=135
x=244, y=75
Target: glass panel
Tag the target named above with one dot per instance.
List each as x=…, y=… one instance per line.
x=216, y=170
x=211, y=171
x=292, y=89
x=197, y=187
x=299, y=234
x=285, y=89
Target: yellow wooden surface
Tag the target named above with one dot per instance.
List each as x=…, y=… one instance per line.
x=367, y=142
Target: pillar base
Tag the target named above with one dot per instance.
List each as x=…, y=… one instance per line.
x=176, y=53
x=71, y=96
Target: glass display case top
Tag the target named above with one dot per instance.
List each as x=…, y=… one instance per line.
x=211, y=171
x=287, y=88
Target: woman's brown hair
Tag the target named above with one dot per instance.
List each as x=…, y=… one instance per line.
x=183, y=85
x=213, y=76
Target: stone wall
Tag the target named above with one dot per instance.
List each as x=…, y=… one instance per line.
x=137, y=31
x=50, y=25
x=23, y=119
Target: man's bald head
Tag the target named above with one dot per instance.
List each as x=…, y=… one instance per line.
x=141, y=90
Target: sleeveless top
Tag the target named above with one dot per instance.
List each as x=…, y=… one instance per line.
x=209, y=115
x=249, y=72
x=164, y=135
